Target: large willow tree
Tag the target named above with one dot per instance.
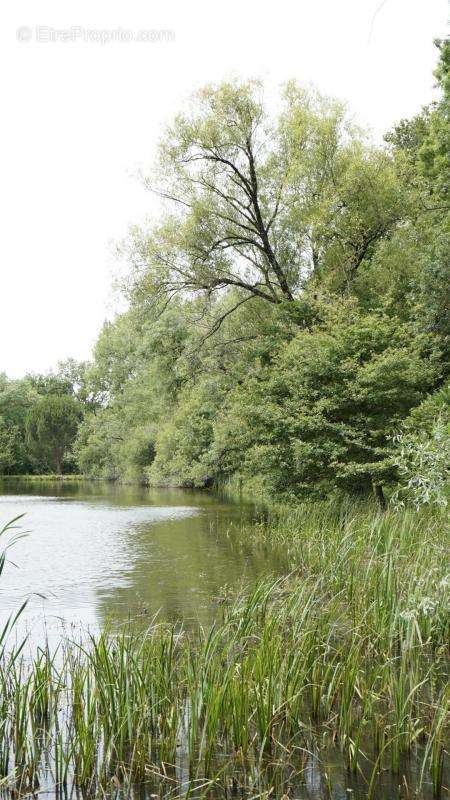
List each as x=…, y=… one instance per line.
x=262, y=202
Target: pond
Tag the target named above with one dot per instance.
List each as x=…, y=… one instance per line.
x=99, y=553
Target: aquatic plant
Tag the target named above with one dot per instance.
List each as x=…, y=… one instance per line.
x=348, y=651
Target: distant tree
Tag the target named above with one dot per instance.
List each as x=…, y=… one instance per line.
x=421, y=148
x=51, y=426
x=9, y=446
x=70, y=377
x=435, y=150
x=424, y=141
x=183, y=445
x=50, y=384
x=408, y=135
x=16, y=399
x=75, y=375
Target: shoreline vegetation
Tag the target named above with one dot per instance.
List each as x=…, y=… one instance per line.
x=66, y=477
x=346, y=655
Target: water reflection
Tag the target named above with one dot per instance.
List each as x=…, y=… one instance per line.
x=104, y=553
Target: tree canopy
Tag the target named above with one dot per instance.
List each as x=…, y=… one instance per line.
x=263, y=204
x=51, y=427
x=26, y=408
x=287, y=315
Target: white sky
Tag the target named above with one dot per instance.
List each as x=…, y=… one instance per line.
x=80, y=117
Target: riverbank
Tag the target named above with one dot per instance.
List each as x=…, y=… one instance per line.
x=336, y=674
x=45, y=478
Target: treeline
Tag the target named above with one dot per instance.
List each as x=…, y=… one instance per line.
x=40, y=416
x=287, y=321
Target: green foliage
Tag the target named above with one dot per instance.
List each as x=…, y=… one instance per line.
x=422, y=453
x=135, y=380
x=50, y=384
x=434, y=152
x=434, y=284
x=319, y=416
x=109, y=446
x=260, y=204
x=422, y=144
x=183, y=445
x=285, y=314
x=9, y=446
x=51, y=427
x=289, y=309
x=16, y=398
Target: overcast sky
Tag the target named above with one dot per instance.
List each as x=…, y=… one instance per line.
x=81, y=116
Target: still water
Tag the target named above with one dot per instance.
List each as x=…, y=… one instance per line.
x=98, y=553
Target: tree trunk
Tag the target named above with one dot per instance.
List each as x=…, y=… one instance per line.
x=379, y=494
x=58, y=463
